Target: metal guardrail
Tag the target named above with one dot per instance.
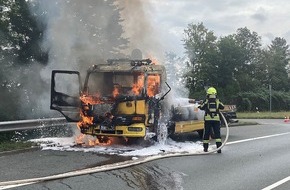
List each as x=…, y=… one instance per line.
x=30, y=124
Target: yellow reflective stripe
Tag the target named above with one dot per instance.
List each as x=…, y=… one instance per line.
x=205, y=141
x=218, y=140
x=215, y=118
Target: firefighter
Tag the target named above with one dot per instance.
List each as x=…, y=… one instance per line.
x=212, y=121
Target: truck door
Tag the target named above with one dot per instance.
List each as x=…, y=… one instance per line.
x=65, y=94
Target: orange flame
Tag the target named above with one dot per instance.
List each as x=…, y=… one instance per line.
x=153, y=85
x=88, y=100
x=137, y=87
x=91, y=99
x=89, y=141
x=79, y=139
x=85, y=120
x=116, y=91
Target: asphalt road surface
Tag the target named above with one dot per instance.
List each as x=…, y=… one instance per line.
x=255, y=157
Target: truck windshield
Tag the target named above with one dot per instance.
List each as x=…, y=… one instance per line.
x=115, y=84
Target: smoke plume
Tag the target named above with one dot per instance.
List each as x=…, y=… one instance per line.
x=139, y=29
x=82, y=33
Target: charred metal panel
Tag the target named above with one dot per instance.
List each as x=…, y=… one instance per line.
x=67, y=104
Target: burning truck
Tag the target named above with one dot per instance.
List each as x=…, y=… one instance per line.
x=122, y=98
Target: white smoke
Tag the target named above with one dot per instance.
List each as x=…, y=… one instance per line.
x=139, y=29
x=77, y=36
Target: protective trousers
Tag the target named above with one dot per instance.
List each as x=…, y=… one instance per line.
x=209, y=127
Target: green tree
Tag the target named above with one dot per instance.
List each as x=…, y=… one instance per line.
x=20, y=32
x=277, y=61
x=19, y=46
x=239, y=67
x=249, y=44
x=200, y=46
x=229, y=56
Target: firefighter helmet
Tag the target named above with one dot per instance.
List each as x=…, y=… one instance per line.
x=211, y=91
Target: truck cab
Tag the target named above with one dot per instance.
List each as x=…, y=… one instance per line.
x=121, y=97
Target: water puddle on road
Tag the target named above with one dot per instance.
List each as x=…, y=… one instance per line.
x=150, y=177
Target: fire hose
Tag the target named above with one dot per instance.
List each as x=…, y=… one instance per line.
x=114, y=166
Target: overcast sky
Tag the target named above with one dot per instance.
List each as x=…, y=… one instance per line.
x=269, y=18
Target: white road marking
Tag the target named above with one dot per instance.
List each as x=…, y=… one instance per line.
x=278, y=183
x=12, y=186
x=264, y=137
x=257, y=138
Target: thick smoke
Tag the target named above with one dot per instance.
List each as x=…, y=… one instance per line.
x=138, y=20
x=81, y=33
x=138, y=28
x=138, y=25
x=78, y=34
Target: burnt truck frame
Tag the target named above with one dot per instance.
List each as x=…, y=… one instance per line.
x=92, y=105
x=106, y=105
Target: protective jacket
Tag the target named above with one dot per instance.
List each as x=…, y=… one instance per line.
x=211, y=106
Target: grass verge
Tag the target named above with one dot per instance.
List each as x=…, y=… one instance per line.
x=263, y=115
x=9, y=146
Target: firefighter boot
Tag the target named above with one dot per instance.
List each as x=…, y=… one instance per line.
x=218, y=144
x=205, y=147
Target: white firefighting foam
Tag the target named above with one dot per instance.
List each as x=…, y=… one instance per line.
x=170, y=146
